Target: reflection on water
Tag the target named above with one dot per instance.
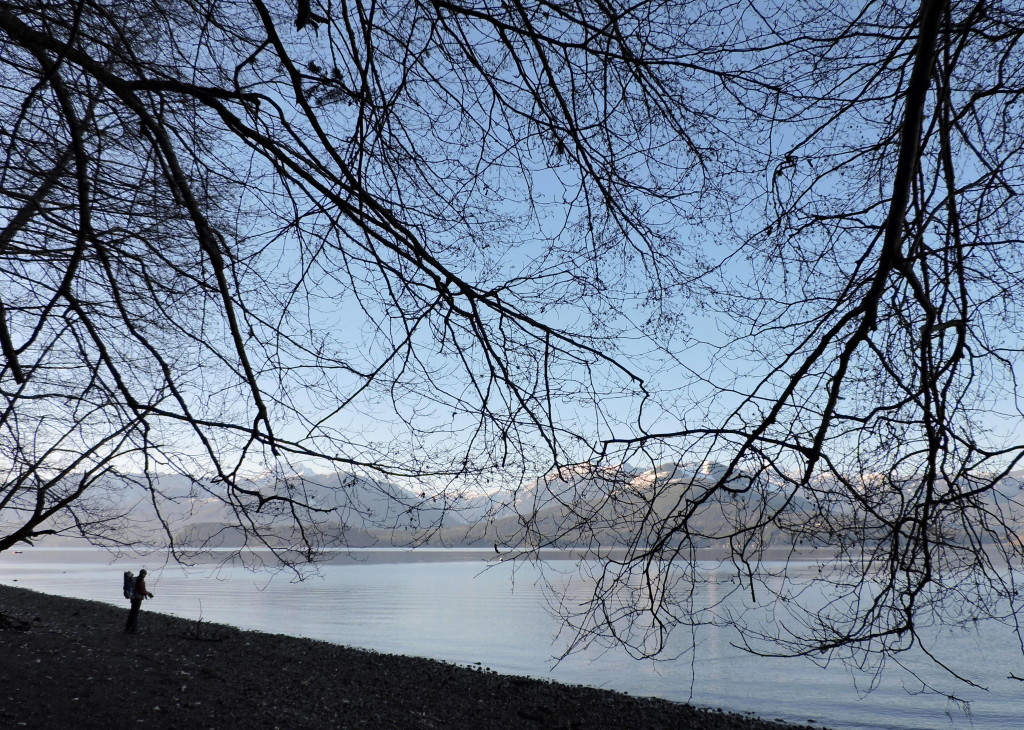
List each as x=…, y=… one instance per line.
x=466, y=612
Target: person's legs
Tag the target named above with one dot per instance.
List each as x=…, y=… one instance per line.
x=133, y=616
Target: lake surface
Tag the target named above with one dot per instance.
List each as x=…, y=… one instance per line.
x=451, y=606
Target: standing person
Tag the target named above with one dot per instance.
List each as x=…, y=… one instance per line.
x=139, y=594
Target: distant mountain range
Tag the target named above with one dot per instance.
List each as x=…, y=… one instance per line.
x=575, y=506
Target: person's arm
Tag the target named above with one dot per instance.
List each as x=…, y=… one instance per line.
x=140, y=588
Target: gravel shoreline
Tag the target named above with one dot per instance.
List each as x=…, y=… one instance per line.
x=67, y=663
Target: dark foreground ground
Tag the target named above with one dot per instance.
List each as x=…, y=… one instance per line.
x=65, y=663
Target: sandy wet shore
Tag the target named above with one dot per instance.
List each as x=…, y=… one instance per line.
x=66, y=663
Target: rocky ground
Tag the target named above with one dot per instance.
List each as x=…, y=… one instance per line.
x=66, y=663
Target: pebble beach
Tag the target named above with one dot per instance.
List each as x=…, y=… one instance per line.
x=66, y=663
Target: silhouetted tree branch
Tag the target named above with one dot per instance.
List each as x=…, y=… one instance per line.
x=732, y=277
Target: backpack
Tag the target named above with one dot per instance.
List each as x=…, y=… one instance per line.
x=129, y=584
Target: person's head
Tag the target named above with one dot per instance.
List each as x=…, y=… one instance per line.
x=142, y=572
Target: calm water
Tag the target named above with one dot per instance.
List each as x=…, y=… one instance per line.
x=461, y=612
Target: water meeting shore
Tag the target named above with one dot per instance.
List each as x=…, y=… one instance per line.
x=67, y=663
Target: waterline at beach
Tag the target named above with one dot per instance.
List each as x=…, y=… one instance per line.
x=66, y=663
